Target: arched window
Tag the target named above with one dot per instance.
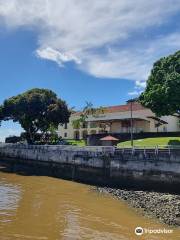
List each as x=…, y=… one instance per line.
x=76, y=135
x=84, y=134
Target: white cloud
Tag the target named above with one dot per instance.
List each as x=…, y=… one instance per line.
x=56, y=56
x=134, y=93
x=104, y=38
x=133, y=62
x=140, y=84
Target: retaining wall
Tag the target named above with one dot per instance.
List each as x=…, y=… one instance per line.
x=134, y=168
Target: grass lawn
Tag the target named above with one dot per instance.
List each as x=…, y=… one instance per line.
x=80, y=143
x=148, y=142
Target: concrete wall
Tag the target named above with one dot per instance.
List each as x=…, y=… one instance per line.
x=86, y=156
x=138, y=168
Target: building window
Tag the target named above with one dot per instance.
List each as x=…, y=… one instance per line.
x=76, y=135
x=84, y=134
x=84, y=125
x=65, y=134
x=65, y=126
x=164, y=129
x=125, y=124
x=93, y=125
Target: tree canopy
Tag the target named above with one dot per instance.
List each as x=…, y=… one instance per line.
x=162, y=94
x=36, y=110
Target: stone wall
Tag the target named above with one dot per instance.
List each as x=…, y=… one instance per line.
x=134, y=168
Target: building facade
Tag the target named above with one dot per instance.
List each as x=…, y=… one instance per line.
x=117, y=119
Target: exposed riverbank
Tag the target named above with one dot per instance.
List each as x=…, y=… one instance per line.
x=164, y=206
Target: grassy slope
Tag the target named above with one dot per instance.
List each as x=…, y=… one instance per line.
x=79, y=143
x=147, y=142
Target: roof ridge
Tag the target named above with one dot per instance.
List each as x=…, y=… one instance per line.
x=122, y=108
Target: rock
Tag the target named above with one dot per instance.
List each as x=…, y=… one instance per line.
x=166, y=207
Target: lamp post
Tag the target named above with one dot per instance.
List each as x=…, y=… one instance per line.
x=131, y=101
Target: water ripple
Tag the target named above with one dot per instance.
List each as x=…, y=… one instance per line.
x=9, y=197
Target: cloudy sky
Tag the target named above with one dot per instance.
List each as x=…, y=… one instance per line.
x=99, y=51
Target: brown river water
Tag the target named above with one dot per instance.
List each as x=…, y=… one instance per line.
x=45, y=208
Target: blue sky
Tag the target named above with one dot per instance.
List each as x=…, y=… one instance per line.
x=98, y=51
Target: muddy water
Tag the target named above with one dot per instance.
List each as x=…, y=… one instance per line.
x=44, y=208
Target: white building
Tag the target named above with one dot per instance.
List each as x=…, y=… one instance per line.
x=117, y=119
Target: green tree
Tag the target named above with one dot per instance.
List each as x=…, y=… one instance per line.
x=162, y=94
x=87, y=110
x=51, y=135
x=36, y=110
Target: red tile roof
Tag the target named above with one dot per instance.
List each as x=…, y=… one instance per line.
x=119, y=108
x=124, y=108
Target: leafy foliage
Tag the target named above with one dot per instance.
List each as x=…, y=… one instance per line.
x=12, y=139
x=36, y=110
x=87, y=110
x=162, y=94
